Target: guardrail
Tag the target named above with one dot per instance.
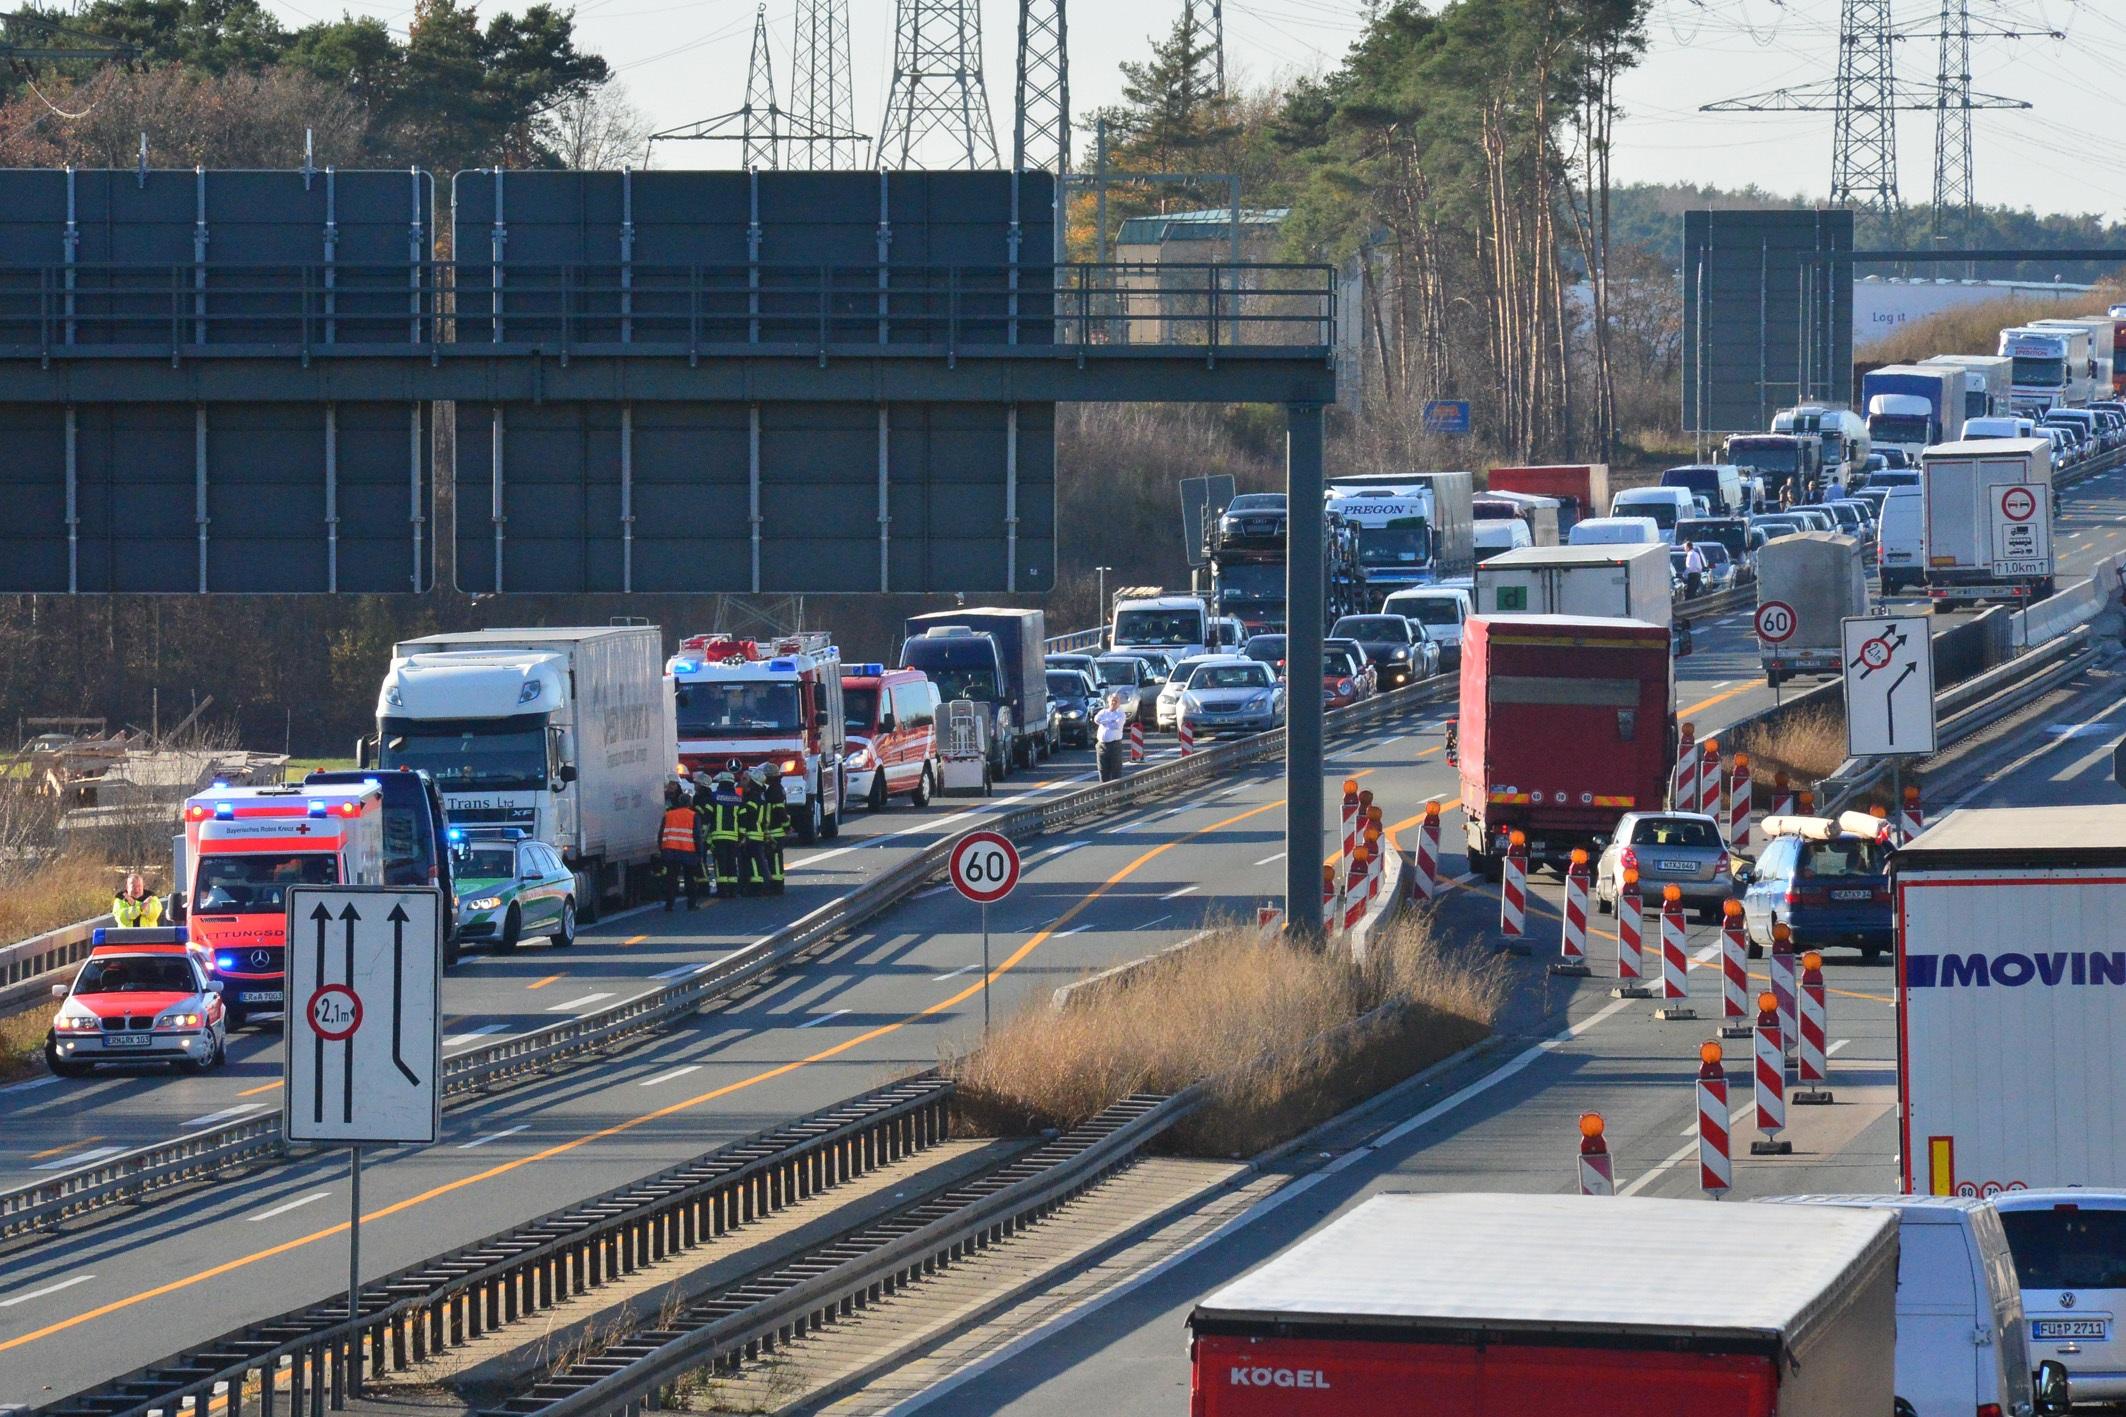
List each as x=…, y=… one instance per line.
x=130, y=1175
x=28, y=967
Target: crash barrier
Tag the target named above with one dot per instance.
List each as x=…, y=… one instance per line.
x=2076, y=605
x=1075, y=641
x=30, y=968
x=1716, y=1172
x=130, y=1175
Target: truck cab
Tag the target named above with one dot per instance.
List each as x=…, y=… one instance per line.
x=779, y=704
x=1177, y=624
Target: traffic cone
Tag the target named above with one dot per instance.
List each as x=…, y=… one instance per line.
x=1716, y=1173
x=1675, y=958
x=1784, y=803
x=1812, y=1054
x=1912, y=819
x=1598, y=1177
x=1572, y=939
x=1631, y=956
x=1513, y=893
x=1739, y=792
x=1734, y=973
x=1783, y=982
x=1771, y=1082
x=1136, y=741
x=1424, y=880
x=1709, y=801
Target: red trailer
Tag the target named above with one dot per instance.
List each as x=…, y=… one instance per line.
x=1598, y=1306
x=1586, y=485
x=1567, y=722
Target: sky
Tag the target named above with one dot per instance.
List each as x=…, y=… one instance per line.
x=683, y=60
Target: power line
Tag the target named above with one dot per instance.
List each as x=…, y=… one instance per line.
x=937, y=110
x=822, y=96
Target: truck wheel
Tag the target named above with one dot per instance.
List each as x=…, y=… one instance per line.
x=1486, y=865
x=831, y=827
x=809, y=824
x=589, y=894
x=512, y=927
x=1870, y=953
x=452, y=950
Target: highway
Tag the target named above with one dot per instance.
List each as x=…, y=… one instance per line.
x=127, y=1287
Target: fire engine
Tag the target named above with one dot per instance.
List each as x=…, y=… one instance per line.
x=778, y=702
x=244, y=846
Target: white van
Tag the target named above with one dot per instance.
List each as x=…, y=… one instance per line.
x=1975, y=428
x=1442, y=610
x=1616, y=531
x=2069, y=1249
x=1498, y=534
x=1962, y=1346
x=1898, y=532
x=1666, y=505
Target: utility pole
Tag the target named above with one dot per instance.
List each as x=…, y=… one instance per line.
x=760, y=125
x=1040, y=136
x=761, y=147
x=821, y=97
x=1952, y=126
x=937, y=110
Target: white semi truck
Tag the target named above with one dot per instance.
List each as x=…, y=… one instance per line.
x=2051, y=366
x=565, y=734
x=1986, y=524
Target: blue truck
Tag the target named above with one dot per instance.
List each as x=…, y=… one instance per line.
x=1911, y=407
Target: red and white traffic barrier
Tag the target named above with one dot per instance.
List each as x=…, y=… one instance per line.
x=1330, y=915
x=1675, y=959
x=1771, y=1082
x=1734, y=973
x=1709, y=781
x=1350, y=818
x=1631, y=957
x=1716, y=1173
x=1805, y=802
x=1739, y=791
x=1911, y=819
x=1376, y=857
x=1572, y=939
x=1783, y=983
x=1136, y=741
x=1187, y=735
x=1355, y=889
x=1784, y=803
x=1814, y=1053
x=1424, y=880
x=1598, y=1175
x=1513, y=889
x=1683, y=782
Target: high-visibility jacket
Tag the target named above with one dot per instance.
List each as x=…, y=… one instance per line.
x=752, y=821
x=778, y=818
x=723, y=814
x=132, y=914
x=678, y=832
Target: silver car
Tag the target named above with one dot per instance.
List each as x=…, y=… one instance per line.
x=1169, y=701
x=1233, y=694
x=1667, y=849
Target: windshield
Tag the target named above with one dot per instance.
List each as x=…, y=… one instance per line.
x=2040, y=373
x=859, y=708
x=1066, y=685
x=257, y=881
x=721, y=709
x=1674, y=831
x=1850, y=857
x=485, y=861
x=1337, y=663
x=1405, y=545
x=1694, y=479
x=979, y=685
x=1118, y=671
x=1231, y=676
x=1267, y=648
x=1430, y=609
x=1393, y=629
x=1159, y=627
x=2067, y=1248
x=1257, y=502
x=138, y=974
x=499, y=754
x=1898, y=428
x=1773, y=459
x=1251, y=581
x=1896, y=477
x=1662, y=513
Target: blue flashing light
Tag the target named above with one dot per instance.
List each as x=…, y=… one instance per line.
x=184, y=934
x=372, y=784
x=225, y=961
x=317, y=808
x=96, y=935
x=457, y=833
x=783, y=666
x=224, y=811
x=868, y=670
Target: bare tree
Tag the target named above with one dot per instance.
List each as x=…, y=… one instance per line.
x=227, y=120
x=598, y=129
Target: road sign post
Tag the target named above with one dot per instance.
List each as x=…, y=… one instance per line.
x=985, y=868
x=1889, y=686
x=364, y=1036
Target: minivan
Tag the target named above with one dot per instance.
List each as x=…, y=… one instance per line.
x=1501, y=534
x=2069, y=1249
x=891, y=717
x=1666, y=505
x=1897, y=540
x=1962, y=1347
x=1720, y=484
x=1616, y=531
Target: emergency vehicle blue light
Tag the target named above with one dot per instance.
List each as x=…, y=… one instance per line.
x=224, y=811
x=225, y=961
x=782, y=665
x=872, y=670
x=457, y=833
x=371, y=783
x=96, y=936
x=317, y=808
x=220, y=783
x=686, y=666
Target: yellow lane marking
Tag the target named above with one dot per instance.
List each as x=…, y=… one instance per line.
x=273, y=1086
x=633, y=940
x=542, y=983
x=78, y=1144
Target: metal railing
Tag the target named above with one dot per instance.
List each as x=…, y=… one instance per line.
x=28, y=968
x=304, y=1358
x=441, y=309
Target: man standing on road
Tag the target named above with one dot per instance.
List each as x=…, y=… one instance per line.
x=723, y=829
x=678, y=849
x=135, y=906
x=1693, y=569
x=1111, y=723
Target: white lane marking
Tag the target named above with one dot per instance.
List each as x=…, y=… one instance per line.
x=79, y=1158
x=33, y=1083
x=580, y=1003
x=1055, y=851
x=1073, y=930
x=1674, y=1159
x=229, y=1113
x=1268, y=860
x=941, y=978
x=481, y=1032
x=942, y=822
x=1836, y=1046
x=667, y=1077
x=1185, y=890
x=284, y=1208
x=1386, y=741
x=822, y=1018
x=47, y=1289
x=494, y=1136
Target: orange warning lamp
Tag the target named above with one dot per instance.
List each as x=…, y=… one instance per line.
x=1591, y=1125
x=1631, y=875
x=1712, y=747
x=1517, y=839
x=1672, y=894
x=1431, y=810
x=1742, y=762
x=1812, y=961
x=1688, y=729
x=1365, y=799
x=1879, y=812
x=1328, y=875
x=1911, y=794
x=1709, y=1052
x=1779, y=779
x=1732, y=909
x=1782, y=933
x=1350, y=787
x=1579, y=856
x=1767, y=1002
x=1373, y=814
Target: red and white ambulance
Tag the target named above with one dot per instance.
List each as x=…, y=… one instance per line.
x=244, y=846
x=778, y=702
x=891, y=716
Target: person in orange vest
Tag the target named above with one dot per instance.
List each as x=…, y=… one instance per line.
x=678, y=850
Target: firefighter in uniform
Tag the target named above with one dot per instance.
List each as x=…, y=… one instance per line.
x=752, y=836
x=724, y=804
x=775, y=806
x=701, y=793
x=679, y=848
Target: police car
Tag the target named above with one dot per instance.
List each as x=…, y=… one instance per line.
x=510, y=887
x=137, y=1003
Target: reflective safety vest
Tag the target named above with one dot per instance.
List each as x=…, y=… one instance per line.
x=723, y=815
x=132, y=914
x=752, y=821
x=678, y=833
x=778, y=817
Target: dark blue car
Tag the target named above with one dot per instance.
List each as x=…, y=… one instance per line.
x=1825, y=885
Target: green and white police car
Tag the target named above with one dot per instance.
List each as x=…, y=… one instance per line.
x=510, y=887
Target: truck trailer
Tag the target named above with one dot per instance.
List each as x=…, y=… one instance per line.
x=1414, y=528
x=2051, y=367
x=1518, y=1305
x=2011, y=999
x=1566, y=723
x=1989, y=383
x=1820, y=577
x=1612, y=582
x=1912, y=406
x=1583, y=488
x=1986, y=520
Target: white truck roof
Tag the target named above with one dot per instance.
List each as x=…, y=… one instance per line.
x=1988, y=448
x=2039, y=837
x=1586, y=554
x=543, y=637
x=1564, y=1262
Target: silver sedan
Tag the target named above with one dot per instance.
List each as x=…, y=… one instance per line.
x=1682, y=849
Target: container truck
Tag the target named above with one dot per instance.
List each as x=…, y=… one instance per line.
x=1787, y=462
x=1566, y=723
x=1911, y=406
x=1414, y=528
x=1583, y=488
x=2103, y=342
x=1820, y=578
x=1011, y=676
x=1842, y=439
x=1989, y=382
x=1609, y=582
x=1986, y=520
x=2011, y=999
x=1545, y=517
x=2051, y=367
x=564, y=733
x=1515, y=1305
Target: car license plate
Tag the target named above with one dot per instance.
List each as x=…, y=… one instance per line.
x=1690, y=866
x=262, y=996
x=1852, y=895
x=127, y=1040
x=2068, y=1328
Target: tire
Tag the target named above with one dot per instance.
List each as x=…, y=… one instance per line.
x=208, y=1064
x=1487, y=866
x=512, y=929
x=920, y=797
x=831, y=827
x=1711, y=914
x=1604, y=905
x=808, y=827
x=565, y=933
x=1870, y=953
x=233, y=1018
x=877, y=800
x=61, y=1067
x=452, y=951
x=588, y=896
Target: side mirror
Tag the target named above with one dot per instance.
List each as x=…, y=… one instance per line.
x=361, y=752
x=59, y=991
x=2051, y=1389
x=888, y=723
x=568, y=772
x=214, y=986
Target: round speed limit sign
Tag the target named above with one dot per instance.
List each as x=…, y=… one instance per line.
x=985, y=866
x=1776, y=622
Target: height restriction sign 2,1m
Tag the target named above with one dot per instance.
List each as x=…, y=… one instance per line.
x=365, y=1051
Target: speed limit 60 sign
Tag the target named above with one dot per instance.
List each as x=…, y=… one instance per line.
x=1776, y=622
x=985, y=866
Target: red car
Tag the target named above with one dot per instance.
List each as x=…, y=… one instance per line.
x=1346, y=675
x=137, y=1003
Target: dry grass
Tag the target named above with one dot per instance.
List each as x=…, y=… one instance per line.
x=59, y=892
x=1806, y=746
x=1286, y=1035
x=22, y=1043
x=1975, y=329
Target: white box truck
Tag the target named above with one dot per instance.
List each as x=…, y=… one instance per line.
x=1989, y=383
x=1807, y=583
x=1986, y=530
x=2011, y=1000
x=2051, y=366
x=565, y=734
x=1612, y=582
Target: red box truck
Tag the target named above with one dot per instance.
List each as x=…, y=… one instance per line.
x=1598, y=1306
x=1585, y=485
x=1567, y=722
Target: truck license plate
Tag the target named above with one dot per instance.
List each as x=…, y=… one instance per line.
x=1852, y=895
x=263, y=996
x=127, y=1040
x=2069, y=1328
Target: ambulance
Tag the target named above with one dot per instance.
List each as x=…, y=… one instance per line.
x=244, y=846
x=778, y=702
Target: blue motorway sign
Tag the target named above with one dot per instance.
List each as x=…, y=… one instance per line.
x=1447, y=416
